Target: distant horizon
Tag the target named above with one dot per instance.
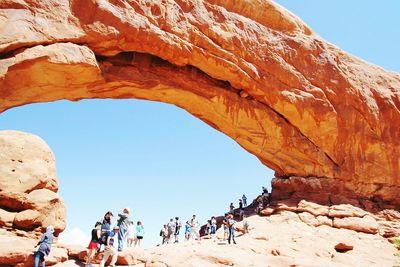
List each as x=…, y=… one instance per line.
x=161, y=161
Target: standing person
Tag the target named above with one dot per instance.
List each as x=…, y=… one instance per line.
x=44, y=246
x=264, y=190
x=106, y=222
x=240, y=203
x=225, y=223
x=139, y=233
x=231, y=208
x=244, y=198
x=260, y=201
x=105, y=227
x=177, y=229
x=131, y=233
x=213, y=228
x=171, y=230
x=194, y=231
x=110, y=248
x=94, y=242
x=123, y=223
x=208, y=229
x=245, y=224
x=231, y=225
x=187, y=230
x=164, y=234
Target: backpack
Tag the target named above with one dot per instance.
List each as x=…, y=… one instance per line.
x=103, y=238
x=161, y=232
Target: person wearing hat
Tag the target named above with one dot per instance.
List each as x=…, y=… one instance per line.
x=44, y=246
x=110, y=249
x=123, y=223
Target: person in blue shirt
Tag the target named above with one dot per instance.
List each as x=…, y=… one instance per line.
x=139, y=233
x=110, y=250
x=44, y=246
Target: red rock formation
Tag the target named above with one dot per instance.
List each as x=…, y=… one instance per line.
x=28, y=198
x=251, y=70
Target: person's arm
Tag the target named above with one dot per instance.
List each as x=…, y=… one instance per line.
x=123, y=215
x=41, y=239
x=108, y=241
x=98, y=234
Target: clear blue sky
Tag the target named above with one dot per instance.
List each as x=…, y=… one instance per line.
x=162, y=162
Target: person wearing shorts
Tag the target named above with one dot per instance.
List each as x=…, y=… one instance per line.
x=94, y=242
x=139, y=233
x=187, y=231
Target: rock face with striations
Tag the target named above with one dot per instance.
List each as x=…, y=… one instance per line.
x=28, y=197
x=324, y=120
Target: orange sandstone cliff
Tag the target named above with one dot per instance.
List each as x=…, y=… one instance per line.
x=325, y=121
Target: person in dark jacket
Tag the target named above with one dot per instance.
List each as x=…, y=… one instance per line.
x=44, y=246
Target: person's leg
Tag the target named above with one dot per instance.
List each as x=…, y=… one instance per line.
x=105, y=257
x=233, y=235
x=90, y=255
x=37, y=257
x=114, y=254
x=230, y=235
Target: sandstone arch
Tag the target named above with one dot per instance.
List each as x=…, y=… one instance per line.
x=325, y=121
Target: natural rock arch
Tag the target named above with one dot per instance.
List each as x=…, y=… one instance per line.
x=325, y=121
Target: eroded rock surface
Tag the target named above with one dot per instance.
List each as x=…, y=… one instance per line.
x=250, y=69
x=28, y=198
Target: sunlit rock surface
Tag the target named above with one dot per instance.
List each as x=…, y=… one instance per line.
x=250, y=69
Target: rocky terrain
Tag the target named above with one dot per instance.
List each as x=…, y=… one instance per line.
x=324, y=120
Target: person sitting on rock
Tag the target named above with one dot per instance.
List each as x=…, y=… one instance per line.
x=123, y=223
x=94, y=242
x=139, y=233
x=110, y=249
x=44, y=246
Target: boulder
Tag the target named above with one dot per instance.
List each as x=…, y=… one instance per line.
x=366, y=224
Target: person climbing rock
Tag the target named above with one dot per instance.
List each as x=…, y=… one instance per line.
x=44, y=246
x=123, y=223
x=110, y=248
x=94, y=242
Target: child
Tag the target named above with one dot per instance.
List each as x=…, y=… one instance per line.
x=139, y=233
x=44, y=246
x=187, y=230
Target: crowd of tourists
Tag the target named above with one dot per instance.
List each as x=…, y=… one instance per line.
x=103, y=237
x=130, y=234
